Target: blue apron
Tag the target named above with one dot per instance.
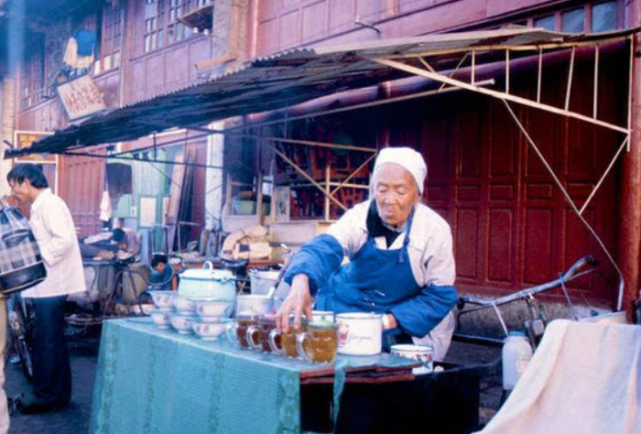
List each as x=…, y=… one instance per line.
x=374, y=281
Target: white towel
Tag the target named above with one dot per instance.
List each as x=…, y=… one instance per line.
x=584, y=378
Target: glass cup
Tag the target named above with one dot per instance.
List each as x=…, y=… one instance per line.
x=287, y=346
x=319, y=343
x=258, y=335
x=238, y=332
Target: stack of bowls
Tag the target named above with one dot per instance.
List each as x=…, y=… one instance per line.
x=212, y=318
x=184, y=316
x=208, y=318
x=163, y=300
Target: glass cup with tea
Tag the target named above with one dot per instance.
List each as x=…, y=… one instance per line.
x=285, y=343
x=319, y=343
x=258, y=335
x=237, y=333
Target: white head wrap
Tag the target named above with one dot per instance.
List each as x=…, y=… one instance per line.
x=408, y=158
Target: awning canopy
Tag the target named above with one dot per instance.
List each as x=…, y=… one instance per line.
x=292, y=77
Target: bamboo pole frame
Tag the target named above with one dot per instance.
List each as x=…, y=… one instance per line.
x=568, y=90
x=496, y=94
x=308, y=177
x=595, y=100
x=539, y=78
x=503, y=47
x=507, y=71
x=569, y=200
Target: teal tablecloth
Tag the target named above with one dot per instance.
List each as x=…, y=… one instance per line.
x=159, y=382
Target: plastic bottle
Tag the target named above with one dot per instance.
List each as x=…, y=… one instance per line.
x=517, y=354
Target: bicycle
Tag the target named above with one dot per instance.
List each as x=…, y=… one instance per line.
x=535, y=325
x=20, y=321
x=117, y=292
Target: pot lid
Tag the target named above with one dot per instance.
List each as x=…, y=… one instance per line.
x=207, y=274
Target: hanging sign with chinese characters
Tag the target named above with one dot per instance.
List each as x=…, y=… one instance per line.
x=81, y=97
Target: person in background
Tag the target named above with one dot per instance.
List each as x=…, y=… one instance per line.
x=127, y=241
x=161, y=272
x=401, y=263
x=54, y=230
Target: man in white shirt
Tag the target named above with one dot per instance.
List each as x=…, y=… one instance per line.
x=55, y=233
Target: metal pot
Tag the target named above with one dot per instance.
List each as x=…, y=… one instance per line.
x=207, y=283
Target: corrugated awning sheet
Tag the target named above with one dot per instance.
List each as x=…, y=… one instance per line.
x=274, y=82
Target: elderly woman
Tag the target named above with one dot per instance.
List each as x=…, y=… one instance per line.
x=400, y=260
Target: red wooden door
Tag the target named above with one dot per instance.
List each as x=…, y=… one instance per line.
x=512, y=227
x=81, y=183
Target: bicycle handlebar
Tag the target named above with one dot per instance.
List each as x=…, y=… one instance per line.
x=571, y=274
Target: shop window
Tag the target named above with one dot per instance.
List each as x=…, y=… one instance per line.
x=176, y=30
x=547, y=22
x=573, y=21
x=154, y=16
x=33, y=73
x=604, y=16
x=109, y=55
x=162, y=22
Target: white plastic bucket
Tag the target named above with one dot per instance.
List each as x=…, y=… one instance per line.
x=262, y=281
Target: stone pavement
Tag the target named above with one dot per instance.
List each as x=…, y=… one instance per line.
x=74, y=418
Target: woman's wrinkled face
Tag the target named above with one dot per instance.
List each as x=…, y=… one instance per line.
x=395, y=193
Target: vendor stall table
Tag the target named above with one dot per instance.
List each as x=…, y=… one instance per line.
x=157, y=381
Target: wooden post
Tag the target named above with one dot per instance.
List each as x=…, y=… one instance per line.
x=595, y=103
x=259, y=198
x=539, y=77
x=630, y=211
x=328, y=180
x=570, y=76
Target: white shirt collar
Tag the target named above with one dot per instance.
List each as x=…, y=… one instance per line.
x=42, y=197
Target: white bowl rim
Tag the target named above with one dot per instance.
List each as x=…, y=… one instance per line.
x=410, y=348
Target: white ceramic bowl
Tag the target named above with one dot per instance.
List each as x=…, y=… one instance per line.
x=184, y=305
x=213, y=310
x=211, y=330
x=420, y=353
x=164, y=300
x=182, y=323
x=160, y=318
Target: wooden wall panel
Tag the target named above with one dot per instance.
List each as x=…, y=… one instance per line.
x=315, y=20
x=538, y=232
x=466, y=247
x=81, y=186
x=500, y=260
x=290, y=29
x=341, y=15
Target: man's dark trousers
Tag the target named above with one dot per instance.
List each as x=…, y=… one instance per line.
x=51, y=367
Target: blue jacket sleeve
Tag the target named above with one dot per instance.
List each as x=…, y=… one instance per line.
x=318, y=260
x=421, y=313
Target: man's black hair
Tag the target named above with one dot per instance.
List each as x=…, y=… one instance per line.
x=33, y=173
x=158, y=259
x=118, y=235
